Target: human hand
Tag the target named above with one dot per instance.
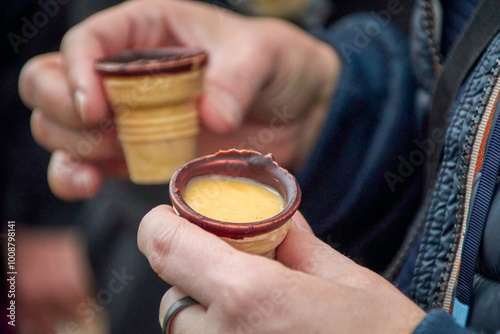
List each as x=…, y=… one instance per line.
x=266, y=80
x=310, y=289
x=54, y=279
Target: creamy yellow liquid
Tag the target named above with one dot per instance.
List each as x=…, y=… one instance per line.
x=230, y=199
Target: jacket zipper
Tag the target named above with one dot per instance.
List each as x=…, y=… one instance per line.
x=449, y=277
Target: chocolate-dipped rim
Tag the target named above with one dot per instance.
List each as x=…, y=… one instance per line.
x=172, y=59
x=237, y=163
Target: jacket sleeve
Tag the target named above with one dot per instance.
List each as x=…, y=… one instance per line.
x=438, y=321
x=360, y=187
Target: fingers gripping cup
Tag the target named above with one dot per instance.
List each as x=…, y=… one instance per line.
x=241, y=196
x=153, y=94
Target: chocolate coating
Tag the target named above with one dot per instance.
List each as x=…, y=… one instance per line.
x=237, y=163
x=172, y=59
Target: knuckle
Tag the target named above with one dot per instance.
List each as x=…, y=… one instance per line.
x=164, y=243
x=238, y=297
x=69, y=37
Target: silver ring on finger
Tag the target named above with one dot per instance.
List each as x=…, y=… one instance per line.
x=174, y=310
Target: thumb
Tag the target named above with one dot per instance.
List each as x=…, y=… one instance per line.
x=303, y=251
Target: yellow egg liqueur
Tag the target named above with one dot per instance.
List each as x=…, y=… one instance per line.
x=232, y=199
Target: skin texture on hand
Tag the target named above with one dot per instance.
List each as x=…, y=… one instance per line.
x=54, y=278
x=311, y=288
x=266, y=82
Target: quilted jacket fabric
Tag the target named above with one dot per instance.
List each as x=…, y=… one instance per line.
x=438, y=250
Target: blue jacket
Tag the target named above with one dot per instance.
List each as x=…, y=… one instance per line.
x=364, y=181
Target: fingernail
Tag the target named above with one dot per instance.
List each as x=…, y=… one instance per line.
x=301, y=222
x=227, y=106
x=82, y=180
x=80, y=102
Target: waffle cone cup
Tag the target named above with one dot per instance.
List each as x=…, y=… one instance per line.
x=153, y=94
x=264, y=244
x=260, y=237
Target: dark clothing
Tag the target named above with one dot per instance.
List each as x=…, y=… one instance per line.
x=346, y=193
x=455, y=16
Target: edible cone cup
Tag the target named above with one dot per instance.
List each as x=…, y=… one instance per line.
x=264, y=244
x=155, y=111
x=260, y=237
